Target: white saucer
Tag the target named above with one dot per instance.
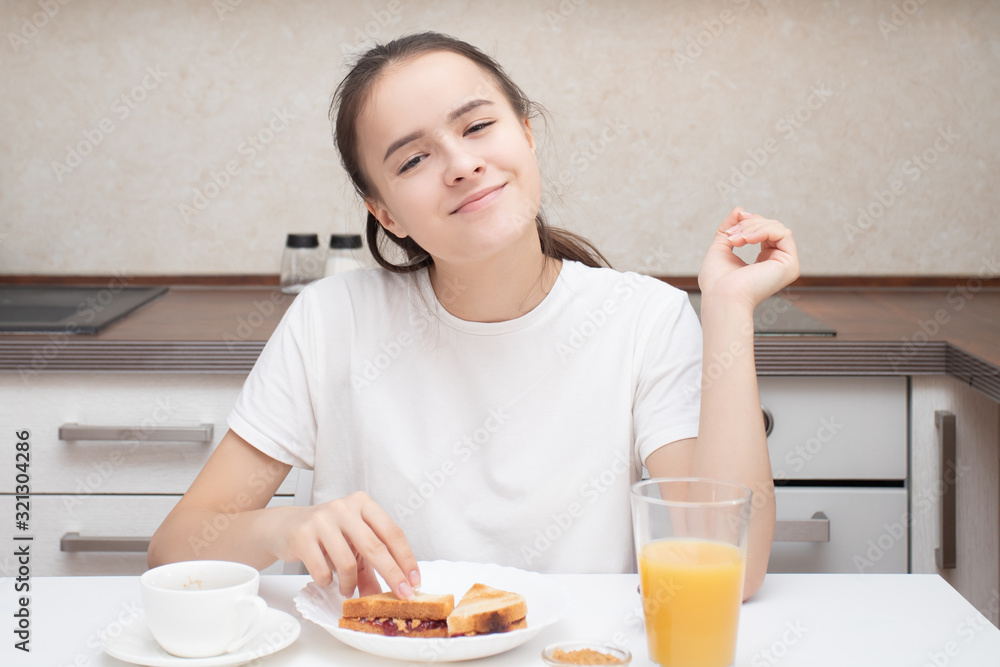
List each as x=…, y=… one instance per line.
x=136, y=644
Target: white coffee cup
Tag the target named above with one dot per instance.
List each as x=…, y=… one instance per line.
x=198, y=609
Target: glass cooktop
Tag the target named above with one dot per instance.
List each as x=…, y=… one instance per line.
x=68, y=309
x=777, y=316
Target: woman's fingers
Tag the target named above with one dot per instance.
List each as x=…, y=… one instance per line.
x=392, y=536
x=733, y=218
x=368, y=583
x=371, y=549
x=353, y=537
x=371, y=538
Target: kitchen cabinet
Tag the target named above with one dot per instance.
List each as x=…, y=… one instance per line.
x=975, y=474
x=838, y=450
x=95, y=492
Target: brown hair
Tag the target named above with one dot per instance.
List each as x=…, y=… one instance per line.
x=348, y=102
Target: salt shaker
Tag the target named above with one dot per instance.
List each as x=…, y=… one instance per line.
x=301, y=262
x=340, y=256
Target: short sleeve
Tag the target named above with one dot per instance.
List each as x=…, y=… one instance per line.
x=668, y=392
x=274, y=411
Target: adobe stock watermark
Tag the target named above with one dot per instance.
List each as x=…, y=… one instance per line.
x=956, y=298
x=126, y=616
x=718, y=365
x=786, y=127
x=966, y=631
x=121, y=108
x=102, y=470
x=813, y=446
x=371, y=369
x=211, y=529
x=896, y=532
x=247, y=325
x=375, y=24
x=248, y=150
x=780, y=647
x=462, y=451
x=30, y=26
x=223, y=7
x=899, y=16
x=913, y=168
x=695, y=45
x=595, y=320
x=86, y=311
x=562, y=12
x=588, y=153
x=657, y=260
x=560, y=522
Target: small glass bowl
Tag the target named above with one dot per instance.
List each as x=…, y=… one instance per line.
x=621, y=654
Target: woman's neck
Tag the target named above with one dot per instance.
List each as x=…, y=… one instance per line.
x=501, y=288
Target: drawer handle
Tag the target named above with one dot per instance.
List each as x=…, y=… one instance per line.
x=201, y=433
x=815, y=529
x=945, y=555
x=74, y=543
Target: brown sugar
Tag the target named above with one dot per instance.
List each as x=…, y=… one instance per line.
x=585, y=656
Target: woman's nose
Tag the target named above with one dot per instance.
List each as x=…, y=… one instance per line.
x=463, y=164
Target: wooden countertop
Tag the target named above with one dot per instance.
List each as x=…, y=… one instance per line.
x=885, y=331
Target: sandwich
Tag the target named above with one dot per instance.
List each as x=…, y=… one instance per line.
x=484, y=610
x=423, y=615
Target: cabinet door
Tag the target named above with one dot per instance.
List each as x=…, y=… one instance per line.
x=976, y=475
x=846, y=428
x=139, y=461
x=95, y=520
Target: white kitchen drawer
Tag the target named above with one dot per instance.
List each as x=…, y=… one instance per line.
x=54, y=516
x=844, y=428
x=140, y=464
x=868, y=530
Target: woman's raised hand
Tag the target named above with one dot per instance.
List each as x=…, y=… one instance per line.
x=351, y=536
x=725, y=276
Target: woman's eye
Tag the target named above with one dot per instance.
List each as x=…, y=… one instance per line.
x=412, y=162
x=481, y=125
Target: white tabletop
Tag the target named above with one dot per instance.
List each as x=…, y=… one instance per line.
x=795, y=619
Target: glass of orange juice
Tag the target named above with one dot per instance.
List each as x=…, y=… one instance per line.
x=691, y=545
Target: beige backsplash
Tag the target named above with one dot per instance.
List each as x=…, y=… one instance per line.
x=120, y=121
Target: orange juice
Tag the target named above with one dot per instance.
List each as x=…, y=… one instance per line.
x=692, y=591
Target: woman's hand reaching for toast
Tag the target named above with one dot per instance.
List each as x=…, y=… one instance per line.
x=351, y=536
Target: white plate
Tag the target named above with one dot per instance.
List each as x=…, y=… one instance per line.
x=547, y=602
x=136, y=644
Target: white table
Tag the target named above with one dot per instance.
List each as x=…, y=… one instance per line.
x=795, y=619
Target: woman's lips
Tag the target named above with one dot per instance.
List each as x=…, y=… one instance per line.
x=481, y=201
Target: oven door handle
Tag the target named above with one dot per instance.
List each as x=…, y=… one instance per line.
x=815, y=529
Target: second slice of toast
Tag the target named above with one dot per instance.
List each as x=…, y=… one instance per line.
x=485, y=610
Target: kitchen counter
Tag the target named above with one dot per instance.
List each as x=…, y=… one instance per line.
x=901, y=331
x=794, y=620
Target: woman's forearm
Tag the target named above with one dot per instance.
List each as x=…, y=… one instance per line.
x=199, y=534
x=732, y=445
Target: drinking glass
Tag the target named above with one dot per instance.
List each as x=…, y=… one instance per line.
x=691, y=547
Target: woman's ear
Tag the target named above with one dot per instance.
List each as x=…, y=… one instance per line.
x=529, y=134
x=381, y=214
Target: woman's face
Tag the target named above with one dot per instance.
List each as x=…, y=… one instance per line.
x=452, y=164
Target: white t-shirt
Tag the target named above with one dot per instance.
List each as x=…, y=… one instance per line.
x=512, y=442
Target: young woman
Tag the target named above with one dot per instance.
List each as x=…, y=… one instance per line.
x=492, y=391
